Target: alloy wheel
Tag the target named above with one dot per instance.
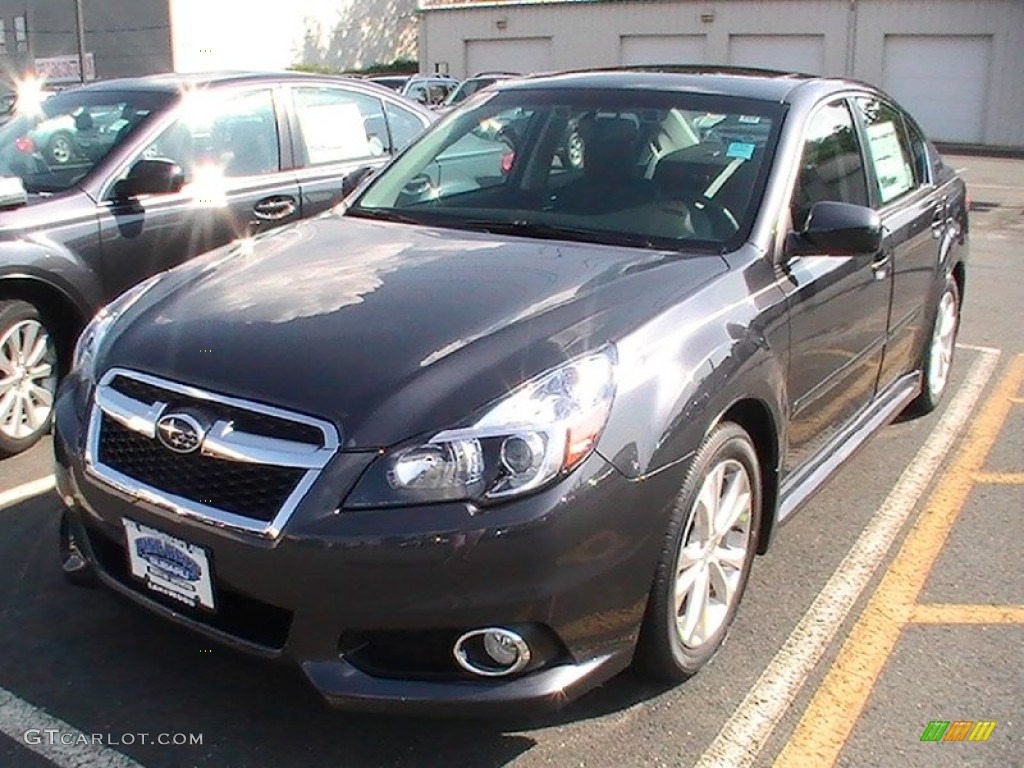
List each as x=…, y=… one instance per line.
x=709, y=568
x=940, y=358
x=60, y=150
x=28, y=378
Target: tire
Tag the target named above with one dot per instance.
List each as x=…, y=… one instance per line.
x=28, y=376
x=76, y=568
x=938, y=354
x=60, y=149
x=675, y=643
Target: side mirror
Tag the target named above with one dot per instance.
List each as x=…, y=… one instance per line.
x=351, y=182
x=838, y=229
x=150, y=177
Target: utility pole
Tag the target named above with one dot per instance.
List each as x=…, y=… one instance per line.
x=80, y=34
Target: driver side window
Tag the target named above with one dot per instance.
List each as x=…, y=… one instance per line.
x=831, y=167
x=232, y=136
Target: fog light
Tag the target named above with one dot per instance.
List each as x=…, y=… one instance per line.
x=501, y=648
x=492, y=652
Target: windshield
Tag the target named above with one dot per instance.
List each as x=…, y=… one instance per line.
x=52, y=145
x=467, y=89
x=648, y=168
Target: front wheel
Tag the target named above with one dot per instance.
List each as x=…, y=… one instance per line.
x=706, y=558
x=28, y=376
x=938, y=356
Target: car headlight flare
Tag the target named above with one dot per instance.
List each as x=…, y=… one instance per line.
x=537, y=433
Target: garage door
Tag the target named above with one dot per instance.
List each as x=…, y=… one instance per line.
x=525, y=55
x=948, y=101
x=792, y=53
x=662, y=49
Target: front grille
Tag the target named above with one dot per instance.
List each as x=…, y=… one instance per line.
x=256, y=491
x=238, y=615
x=243, y=420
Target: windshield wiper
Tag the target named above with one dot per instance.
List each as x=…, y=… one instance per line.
x=527, y=228
x=381, y=214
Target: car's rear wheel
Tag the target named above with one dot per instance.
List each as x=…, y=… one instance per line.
x=938, y=356
x=28, y=376
x=706, y=558
x=60, y=150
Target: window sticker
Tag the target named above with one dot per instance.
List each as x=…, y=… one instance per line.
x=334, y=132
x=891, y=167
x=750, y=119
x=740, y=150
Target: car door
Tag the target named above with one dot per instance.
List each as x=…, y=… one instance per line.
x=339, y=130
x=913, y=213
x=838, y=305
x=229, y=143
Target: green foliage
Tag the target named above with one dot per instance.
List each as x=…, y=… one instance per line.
x=396, y=67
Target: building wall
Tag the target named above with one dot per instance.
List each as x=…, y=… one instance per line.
x=855, y=38
x=269, y=34
x=126, y=37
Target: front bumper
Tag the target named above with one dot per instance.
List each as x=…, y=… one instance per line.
x=575, y=562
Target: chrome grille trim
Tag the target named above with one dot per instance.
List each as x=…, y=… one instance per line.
x=221, y=442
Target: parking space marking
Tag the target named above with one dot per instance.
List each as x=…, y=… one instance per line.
x=69, y=749
x=748, y=728
x=836, y=707
x=26, y=491
x=939, y=613
x=999, y=478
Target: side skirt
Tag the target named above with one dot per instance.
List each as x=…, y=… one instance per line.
x=803, y=483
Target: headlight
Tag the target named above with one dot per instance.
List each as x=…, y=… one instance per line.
x=91, y=339
x=539, y=432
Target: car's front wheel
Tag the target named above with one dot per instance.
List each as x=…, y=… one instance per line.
x=706, y=558
x=938, y=356
x=28, y=376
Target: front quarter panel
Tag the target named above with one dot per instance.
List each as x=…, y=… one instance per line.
x=679, y=373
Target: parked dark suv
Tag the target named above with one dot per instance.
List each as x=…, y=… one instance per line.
x=508, y=424
x=105, y=185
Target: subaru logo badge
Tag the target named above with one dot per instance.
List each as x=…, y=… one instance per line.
x=180, y=432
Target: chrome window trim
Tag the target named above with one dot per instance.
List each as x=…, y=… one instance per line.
x=226, y=444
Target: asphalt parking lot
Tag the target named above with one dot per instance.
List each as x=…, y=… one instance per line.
x=894, y=599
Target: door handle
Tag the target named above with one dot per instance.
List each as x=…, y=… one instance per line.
x=274, y=208
x=880, y=266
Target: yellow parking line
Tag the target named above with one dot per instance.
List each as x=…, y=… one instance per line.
x=836, y=706
x=937, y=613
x=1000, y=478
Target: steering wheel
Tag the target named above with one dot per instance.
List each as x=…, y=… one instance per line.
x=720, y=219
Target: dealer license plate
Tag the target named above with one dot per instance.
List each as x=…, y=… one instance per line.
x=169, y=565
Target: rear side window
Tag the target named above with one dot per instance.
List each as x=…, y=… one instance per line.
x=405, y=125
x=338, y=125
x=888, y=148
x=831, y=167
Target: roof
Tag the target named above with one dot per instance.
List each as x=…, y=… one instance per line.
x=175, y=81
x=767, y=85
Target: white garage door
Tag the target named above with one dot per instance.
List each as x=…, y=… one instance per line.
x=524, y=55
x=662, y=49
x=791, y=53
x=948, y=101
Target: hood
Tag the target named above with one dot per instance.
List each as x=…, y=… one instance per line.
x=391, y=330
